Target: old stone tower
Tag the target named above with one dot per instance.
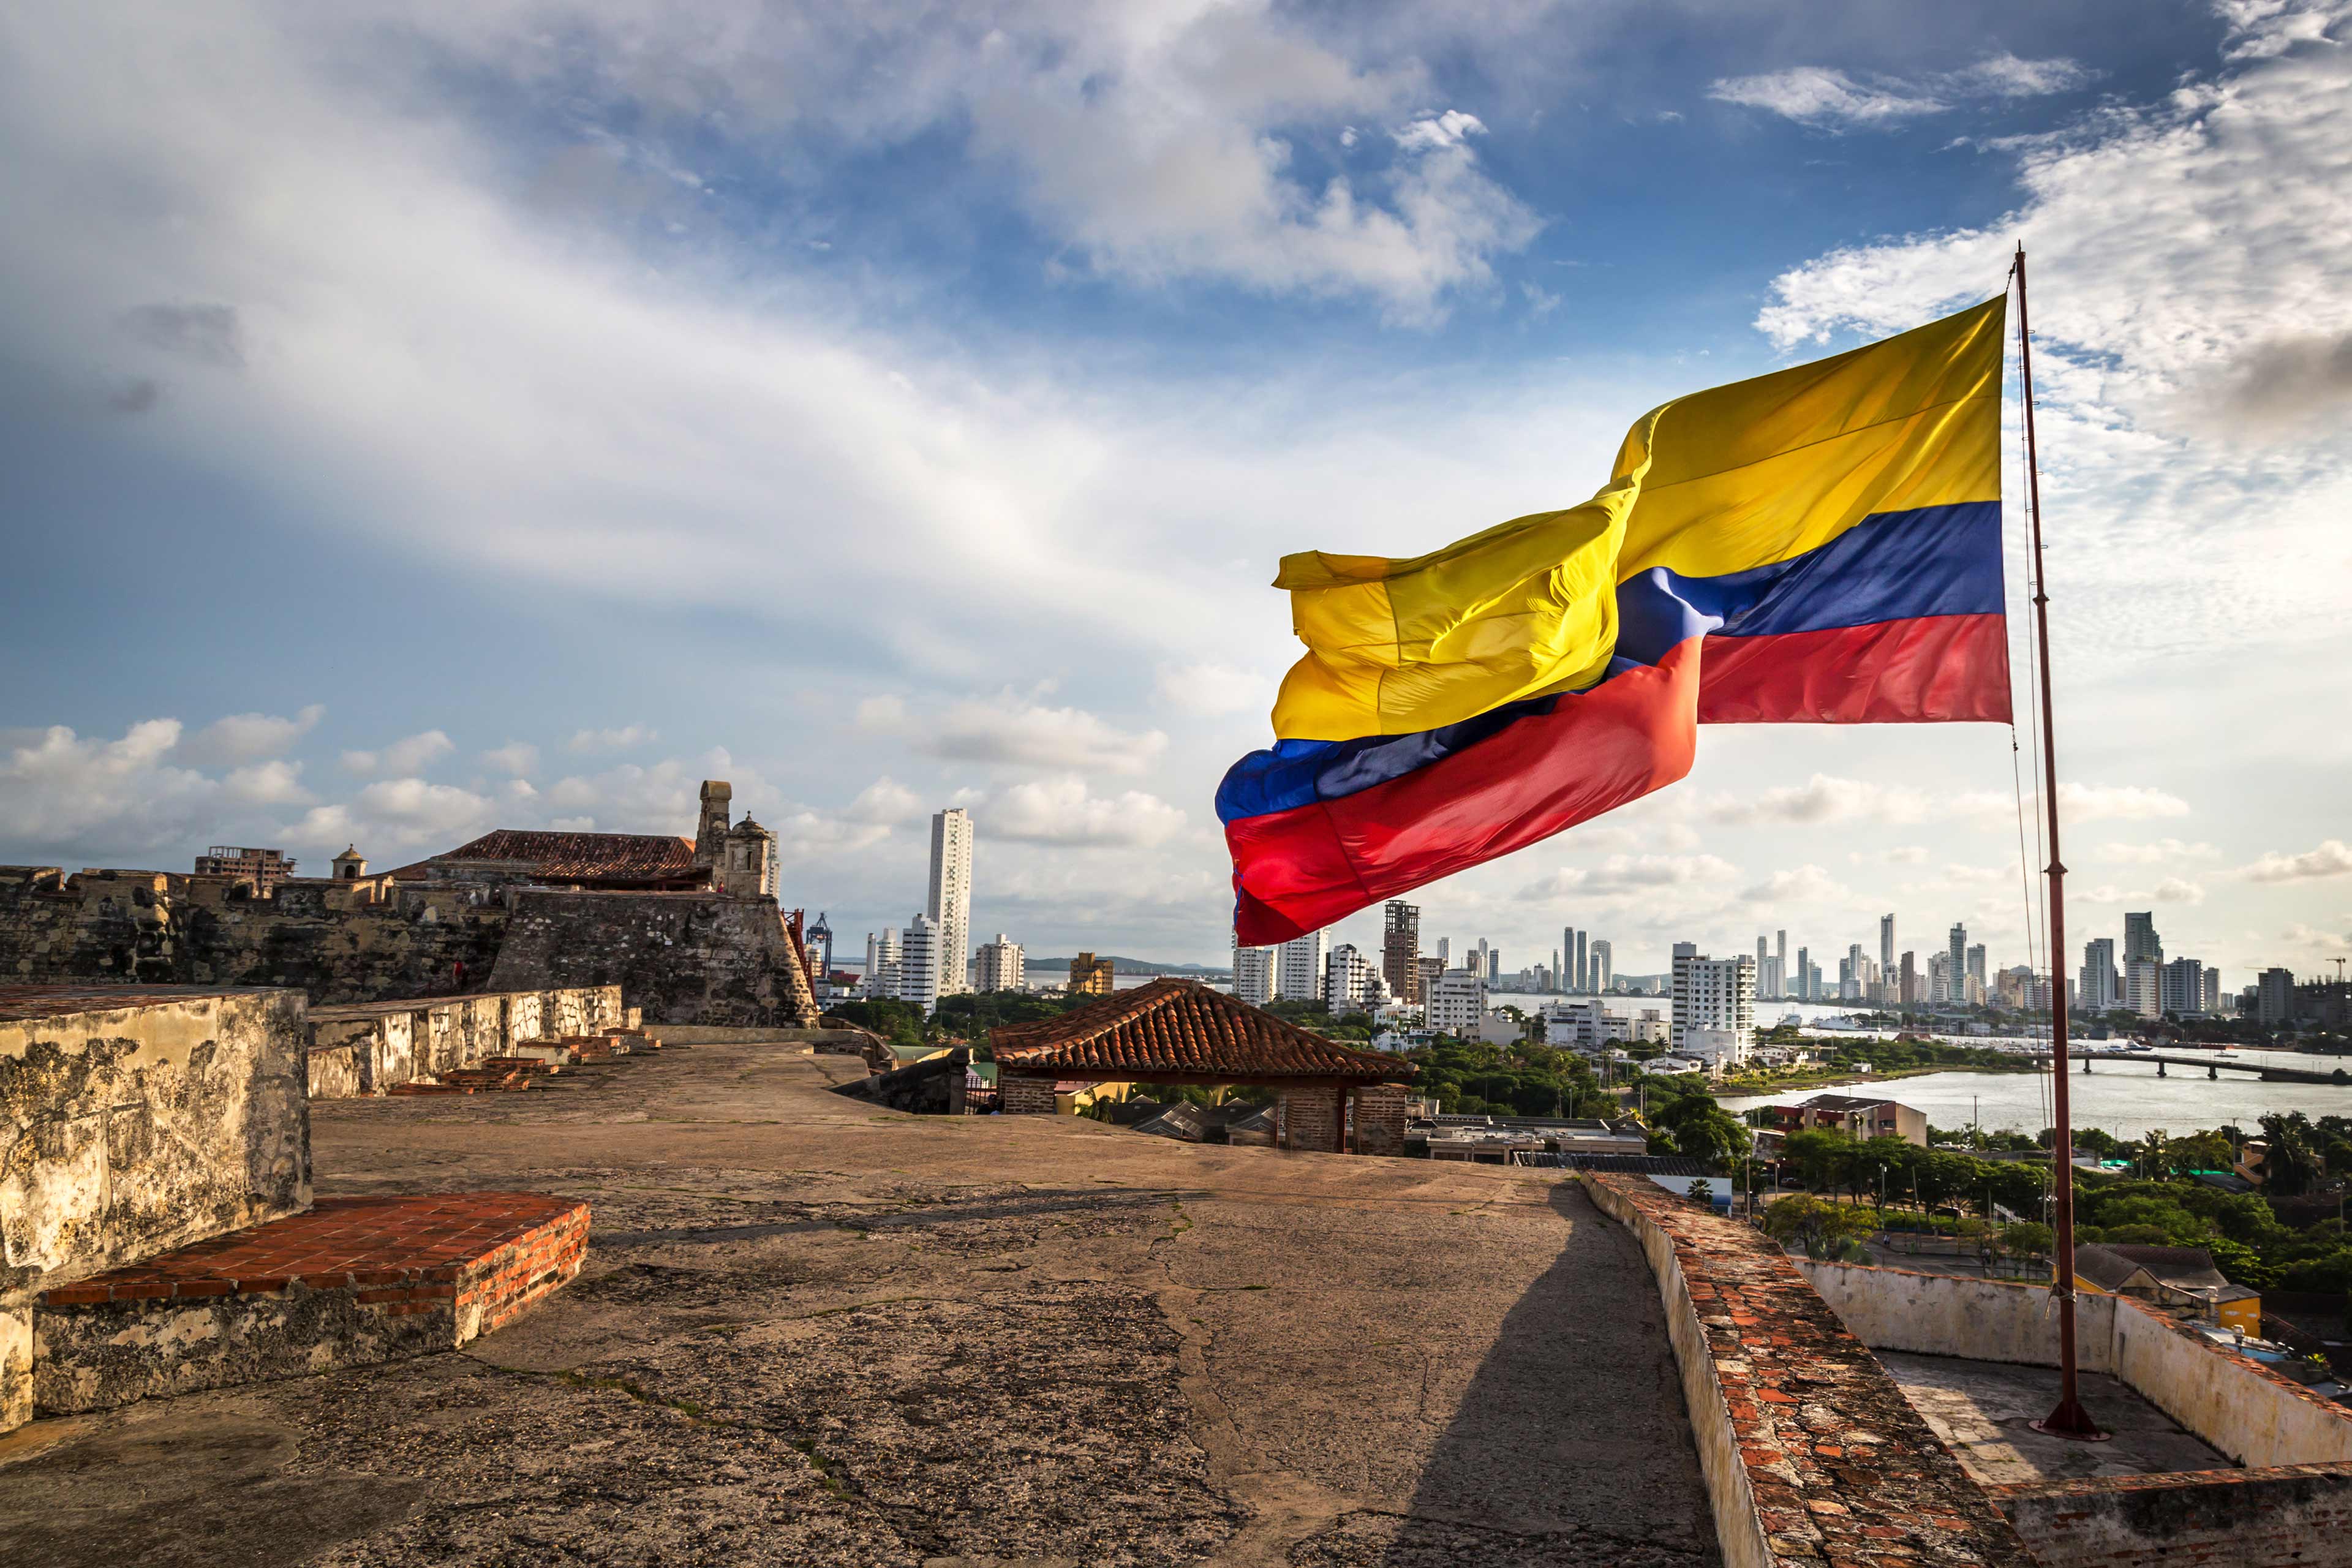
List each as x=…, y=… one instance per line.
x=710, y=832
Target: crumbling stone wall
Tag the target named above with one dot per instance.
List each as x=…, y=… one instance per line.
x=141, y=1121
x=684, y=958
x=160, y=929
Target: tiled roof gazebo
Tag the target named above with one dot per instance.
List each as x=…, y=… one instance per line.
x=1332, y=1096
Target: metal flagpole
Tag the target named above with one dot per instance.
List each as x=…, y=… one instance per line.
x=2067, y=1418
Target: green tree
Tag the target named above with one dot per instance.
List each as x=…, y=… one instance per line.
x=1700, y=1129
x=2291, y=1167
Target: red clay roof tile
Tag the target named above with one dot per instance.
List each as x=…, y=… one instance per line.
x=1182, y=1027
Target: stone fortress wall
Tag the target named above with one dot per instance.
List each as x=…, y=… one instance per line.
x=692, y=957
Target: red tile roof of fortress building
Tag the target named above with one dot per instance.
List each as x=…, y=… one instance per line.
x=1175, y=1026
x=608, y=855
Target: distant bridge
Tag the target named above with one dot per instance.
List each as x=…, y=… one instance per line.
x=2214, y=1066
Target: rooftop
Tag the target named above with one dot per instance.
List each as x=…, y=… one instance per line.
x=25, y=1004
x=644, y=855
x=1982, y=1409
x=1175, y=1028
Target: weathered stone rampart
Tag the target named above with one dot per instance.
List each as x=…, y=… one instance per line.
x=683, y=957
x=134, y=1120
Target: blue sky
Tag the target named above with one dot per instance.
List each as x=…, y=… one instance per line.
x=421, y=419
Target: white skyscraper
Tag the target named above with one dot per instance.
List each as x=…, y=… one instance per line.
x=2099, y=989
x=1349, y=978
x=1603, y=965
x=882, y=962
x=1456, y=1002
x=1714, y=994
x=1298, y=968
x=1885, y=943
x=949, y=905
x=919, y=965
x=1253, y=975
x=998, y=966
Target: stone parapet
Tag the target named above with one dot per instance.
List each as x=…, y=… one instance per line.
x=1811, y=1453
x=2288, y=1516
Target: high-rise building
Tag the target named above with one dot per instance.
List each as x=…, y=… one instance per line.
x=1714, y=994
x=997, y=965
x=1912, y=989
x=1604, y=964
x=1444, y=952
x=1805, y=983
x=949, y=905
x=1400, y=950
x=1482, y=962
x=2140, y=940
x=1957, y=955
x=1092, y=976
x=1583, y=962
x=268, y=867
x=1349, y=978
x=1781, y=964
x=2180, y=986
x=1939, y=979
x=1253, y=975
x=1457, y=1001
x=1493, y=966
x=1886, y=941
x=1976, y=969
x=1568, y=980
x=1854, y=981
x=1763, y=967
x=2143, y=986
x=2099, y=989
x=1298, y=968
x=2214, y=991
x=882, y=963
x=2274, y=997
x=919, y=957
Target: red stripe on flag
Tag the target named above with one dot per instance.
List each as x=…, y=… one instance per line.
x=1932, y=669
x=1296, y=871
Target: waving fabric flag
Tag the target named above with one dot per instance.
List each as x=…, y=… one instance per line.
x=1819, y=545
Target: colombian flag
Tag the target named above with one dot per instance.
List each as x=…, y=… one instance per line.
x=1819, y=545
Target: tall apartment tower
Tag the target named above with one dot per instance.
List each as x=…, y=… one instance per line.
x=882, y=963
x=1444, y=952
x=1567, y=980
x=998, y=965
x=1804, y=991
x=1780, y=964
x=919, y=965
x=2140, y=940
x=1347, y=978
x=1604, y=965
x=1886, y=943
x=1298, y=968
x=949, y=905
x=2099, y=989
x=2274, y=995
x=1400, y=950
x=1583, y=962
x=1713, y=994
x=1957, y=955
x=1253, y=975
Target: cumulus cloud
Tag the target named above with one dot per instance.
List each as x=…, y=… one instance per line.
x=2155, y=853
x=1212, y=690
x=515, y=757
x=60, y=790
x=267, y=784
x=1010, y=728
x=247, y=737
x=885, y=802
x=1062, y=811
x=1822, y=97
x=2332, y=858
x=402, y=813
x=2178, y=890
x=1801, y=884
x=1632, y=873
x=408, y=756
x=1822, y=798
x=625, y=738
x=2124, y=803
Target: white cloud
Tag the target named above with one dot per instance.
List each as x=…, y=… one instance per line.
x=1801, y=884
x=267, y=784
x=1433, y=131
x=883, y=714
x=59, y=792
x=1061, y=811
x=399, y=813
x=1632, y=873
x=515, y=757
x=2332, y=858
x=885, y=802
x=247, y=737
x=2155, y=853
x=1212, y=690
x=1010, y=728
x=2178, y=890
x=407, y=756
x=2123, y=803
x=1816, y=95
x=626, y=738
x=1822, y=798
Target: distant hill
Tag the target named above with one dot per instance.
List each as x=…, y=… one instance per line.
x=1126, y=965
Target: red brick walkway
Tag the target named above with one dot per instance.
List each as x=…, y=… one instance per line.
x=386, y=1243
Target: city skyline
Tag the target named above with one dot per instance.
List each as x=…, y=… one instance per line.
x=981, y=510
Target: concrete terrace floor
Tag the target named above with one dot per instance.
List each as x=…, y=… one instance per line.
x=810, y=1331
x=1981, y=1410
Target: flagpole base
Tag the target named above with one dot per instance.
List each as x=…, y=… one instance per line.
x=2071, y=1421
